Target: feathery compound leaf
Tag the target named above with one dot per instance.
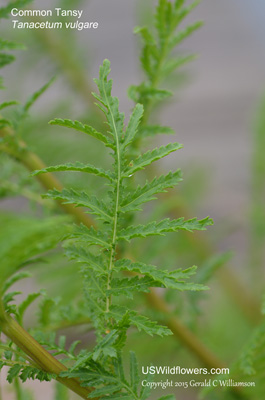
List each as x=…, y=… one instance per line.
x=25, y=372
x=184, y=12
x=81, y=255
x=102, y=368
x=95, y=375
x=128, y=286
x=146, y=34
x=155, y=94
x=105, y=346
x=163, y=14
x=134, y=122
x=180, y=36
x=114, y=117
x=90, y=236
x=146, y=390
x=81, y=199
x=25, y=304
x=13, y=279
x=161, y=278
x=25, y=238
x=34, y=373
x=109, y=385
x=13, y=372
x=89, y=130
x=166, y=225
x=142, y=323
x=146, y=193
x=134, y=373
x=149, y=157
x=177, y=62
x=77, y=166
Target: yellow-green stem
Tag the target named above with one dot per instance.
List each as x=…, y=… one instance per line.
x=41, y=357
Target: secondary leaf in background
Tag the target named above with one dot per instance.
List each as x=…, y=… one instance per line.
x=24, y=238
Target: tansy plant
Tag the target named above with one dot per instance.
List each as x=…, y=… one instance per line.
x=110, y=274
x=107, y=275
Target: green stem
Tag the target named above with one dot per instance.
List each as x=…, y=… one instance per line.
x=42, y=358
x=1, y=397
x=117, y=202
x=18, y=391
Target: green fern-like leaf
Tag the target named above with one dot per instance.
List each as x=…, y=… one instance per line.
x=161, y=278
x=133, y=125
x=89, y=130
x=98, y=251
x=149, y=157
x=157, y=59
x=76, y=167
x=25, y=238
x=167, y=225
x=82, y=255
x=128, y=287
x=141, y=322
x=134, y=200
x=82, y=199
x=91, y=236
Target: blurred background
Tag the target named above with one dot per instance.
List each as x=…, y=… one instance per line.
x=216, y=113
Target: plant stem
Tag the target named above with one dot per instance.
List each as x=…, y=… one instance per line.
x=117, y=203
x=42, y=358
x=17, y=387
